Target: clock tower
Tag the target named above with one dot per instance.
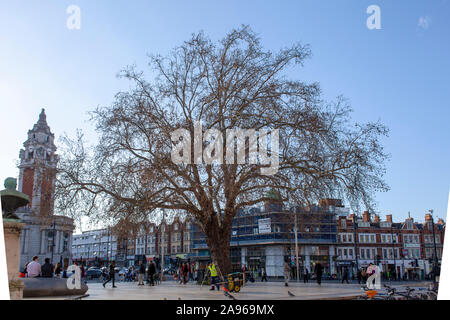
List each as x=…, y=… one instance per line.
x=37, y=168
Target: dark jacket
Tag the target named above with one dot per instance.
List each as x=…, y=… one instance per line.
x=151, y=269
x=318, y=269
x=142, y=269
x=111, y=270
x=47, y=270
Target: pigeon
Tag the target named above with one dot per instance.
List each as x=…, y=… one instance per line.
x=291, y=294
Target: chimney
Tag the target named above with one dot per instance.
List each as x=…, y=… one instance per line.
x=376, y=219
x=389, y=218
x=351, y=216
x=366, y=216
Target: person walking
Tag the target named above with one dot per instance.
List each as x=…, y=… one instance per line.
x=151, y=274
x=359, y=276
x=112, y=274
x=34, y=268
x=214, y=278
x=58, y=270
x=287, y=273
x=141, y=273
x=305, y=275
x=345, y=275
x=318, y=270
x=263, y=275
x=47, y=269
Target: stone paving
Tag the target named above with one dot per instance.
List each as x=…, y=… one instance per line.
x=171, y=290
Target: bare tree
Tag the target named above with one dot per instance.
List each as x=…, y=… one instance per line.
x=229, y=84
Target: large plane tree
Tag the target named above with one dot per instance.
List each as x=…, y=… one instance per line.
x=229, y=84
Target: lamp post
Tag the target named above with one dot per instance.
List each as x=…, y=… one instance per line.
x=53, y=240
x=393, y=252
x=435, y=260
x=355, y=221
x=296, y=247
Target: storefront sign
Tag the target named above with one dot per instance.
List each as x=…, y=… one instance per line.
x=264, y=226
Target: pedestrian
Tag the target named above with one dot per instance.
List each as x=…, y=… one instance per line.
x=47, y=269
x=191, y=271
x=82, y=272
x=318, y=270
x=214, y=278
x=151, y=273
x=141, y=273
x=112, y=274
x=345, y=275
x=305, y=275
x=34, y=268
x=58, y=270
x=263, y=275
x=287, y=273
x=185, y=270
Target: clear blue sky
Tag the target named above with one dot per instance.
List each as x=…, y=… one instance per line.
x=399, y=74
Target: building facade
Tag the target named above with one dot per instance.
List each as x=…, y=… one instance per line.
x=94, y=247
x=403, y=250
x=264, y=237
x=45, y=234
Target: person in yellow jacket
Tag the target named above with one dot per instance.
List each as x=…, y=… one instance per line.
x=214, y=279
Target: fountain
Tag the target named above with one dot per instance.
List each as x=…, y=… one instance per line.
x=11, y=201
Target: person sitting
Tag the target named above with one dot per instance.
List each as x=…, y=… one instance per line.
x=47, y=269
x=34, y=268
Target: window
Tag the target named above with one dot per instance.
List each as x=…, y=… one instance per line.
x=409, y=224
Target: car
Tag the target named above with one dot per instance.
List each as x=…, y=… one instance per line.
x=92, y=274
x=93, y=268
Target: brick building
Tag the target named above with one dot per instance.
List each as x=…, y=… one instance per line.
x=403, y=249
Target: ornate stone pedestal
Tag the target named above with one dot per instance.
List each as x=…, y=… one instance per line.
x=12, y=229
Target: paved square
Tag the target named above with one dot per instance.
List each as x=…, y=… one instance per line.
x=171, y=290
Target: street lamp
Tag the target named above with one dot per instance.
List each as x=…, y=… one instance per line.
x=296, y=247
x=394, y=253
x=435, y=260
x=354, y=239
x=53, y=240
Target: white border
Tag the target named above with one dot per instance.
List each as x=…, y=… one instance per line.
x=4, y=287
x=444, y=280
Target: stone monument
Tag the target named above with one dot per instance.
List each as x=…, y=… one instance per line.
x=12, y=200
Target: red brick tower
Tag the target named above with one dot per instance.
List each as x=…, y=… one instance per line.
x=37, y=167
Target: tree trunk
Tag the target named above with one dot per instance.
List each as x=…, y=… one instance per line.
x=218, y=241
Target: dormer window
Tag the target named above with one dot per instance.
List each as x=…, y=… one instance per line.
x=409, y=225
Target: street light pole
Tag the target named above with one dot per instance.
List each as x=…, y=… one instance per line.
x=296, y=247
x=354, y=239
x=393, y=253
x=53, y=241
x=435, y=261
